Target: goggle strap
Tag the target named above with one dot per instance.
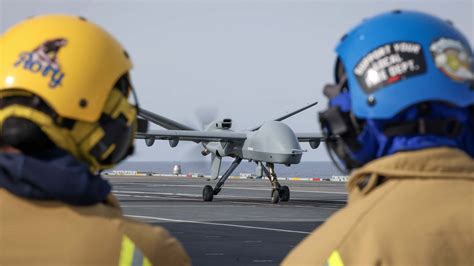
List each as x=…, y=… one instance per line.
x=440, y=127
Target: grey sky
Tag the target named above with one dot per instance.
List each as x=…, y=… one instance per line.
x=250, y=60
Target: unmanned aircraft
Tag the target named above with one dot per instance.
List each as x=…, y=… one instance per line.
x=272, y=142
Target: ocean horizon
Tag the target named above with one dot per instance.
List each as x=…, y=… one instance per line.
x=322, y=169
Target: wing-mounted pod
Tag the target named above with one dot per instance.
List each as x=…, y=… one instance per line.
x=149, y=141
x=314, y=144
x=259, y=170
x=219, y=148
x=215, y=166
x=173, y=142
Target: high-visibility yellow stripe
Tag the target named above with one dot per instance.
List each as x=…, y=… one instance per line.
x=146, y=262
x=131, y=255
x=107, y=152
x=335, y=259
x=126, y=253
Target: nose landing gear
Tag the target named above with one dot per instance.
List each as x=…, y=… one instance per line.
x=278, y=192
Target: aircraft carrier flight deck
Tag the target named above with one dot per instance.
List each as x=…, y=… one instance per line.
x=240, y=226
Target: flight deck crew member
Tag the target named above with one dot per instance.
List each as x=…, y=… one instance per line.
x=401, y=116
x=64, y=116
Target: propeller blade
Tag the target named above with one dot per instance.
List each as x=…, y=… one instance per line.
x=205, y=116
x=194, y=153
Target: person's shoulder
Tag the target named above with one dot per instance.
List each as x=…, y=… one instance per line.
x=342, y=231
x=410, y=219
x=334, y=233
x=392, y=222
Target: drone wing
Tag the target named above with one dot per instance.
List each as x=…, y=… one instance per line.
x=162, y=121
x=307, y=137
x=192, y=135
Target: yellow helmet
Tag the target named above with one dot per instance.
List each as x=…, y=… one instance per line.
x=69, y=77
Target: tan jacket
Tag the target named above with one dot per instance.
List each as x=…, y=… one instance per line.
x=422, y=213
x=53, y=233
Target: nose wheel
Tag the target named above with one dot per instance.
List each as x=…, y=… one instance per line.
x=284, y=193
x=275, y=196
x=279, y=192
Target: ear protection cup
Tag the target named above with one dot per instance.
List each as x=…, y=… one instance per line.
x=101, y=144
x=338, y=124
x=24, y=135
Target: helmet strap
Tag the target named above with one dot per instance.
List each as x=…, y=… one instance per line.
x=440, y=127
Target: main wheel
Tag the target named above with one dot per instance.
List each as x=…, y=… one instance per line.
x=275, y=196
x=207, y=193
x=284, y=193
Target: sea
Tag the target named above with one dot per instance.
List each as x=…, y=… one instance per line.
x=303, y=169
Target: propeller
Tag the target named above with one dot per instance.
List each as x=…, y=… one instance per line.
x=202, y=117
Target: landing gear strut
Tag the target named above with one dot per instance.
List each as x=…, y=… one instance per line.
x=278, y=192
x=208, y=192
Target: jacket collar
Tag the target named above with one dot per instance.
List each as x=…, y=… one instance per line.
x=432, y=163
x=52, y=175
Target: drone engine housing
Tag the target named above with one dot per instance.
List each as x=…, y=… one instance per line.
x=226, y=123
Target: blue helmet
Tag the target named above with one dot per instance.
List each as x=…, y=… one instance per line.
x=404, y=81
x=401, y=58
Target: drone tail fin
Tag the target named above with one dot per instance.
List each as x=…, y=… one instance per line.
x=281, y=118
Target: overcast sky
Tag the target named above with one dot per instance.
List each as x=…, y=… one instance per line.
x=249, y=60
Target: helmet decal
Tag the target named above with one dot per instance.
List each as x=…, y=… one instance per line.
x=44, y=60
x=453, y=59
x=388, y=64
x=404, y=81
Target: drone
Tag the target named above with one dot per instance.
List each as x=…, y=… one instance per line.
x=272, y=142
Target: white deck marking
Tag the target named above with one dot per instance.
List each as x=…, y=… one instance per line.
x=152, y=197
x=249, y=188
x=219, y=224
x=194, y=196
x=179, y=194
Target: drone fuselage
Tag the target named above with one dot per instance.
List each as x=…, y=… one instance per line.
x=273, y=142
x=267, y=144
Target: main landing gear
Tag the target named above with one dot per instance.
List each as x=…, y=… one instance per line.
x=208, y=192
x=278, y=192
